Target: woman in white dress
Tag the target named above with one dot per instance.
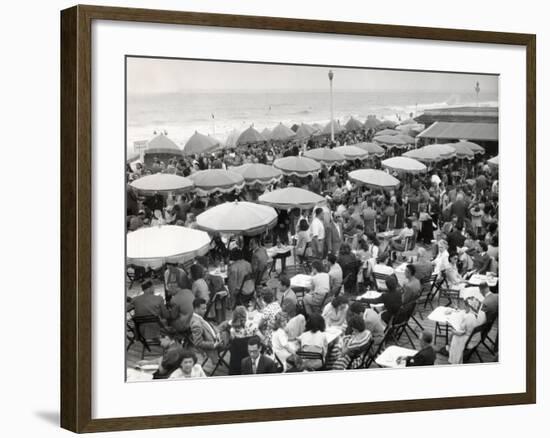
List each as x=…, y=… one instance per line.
x=189, y=367
x=460, y=335
x=283, y=348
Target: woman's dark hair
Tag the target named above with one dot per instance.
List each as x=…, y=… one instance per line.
x=303, y=225
x=452, y=254
x=363, y=244
x=408, y=223
x=235, y=254
x=285, y=281
x=315, y=323
x=391, y=283
x=372, y=237
x=356, y=308
x=196, y=271
x=345, y=249
x=189, y=354
x=331, y=258
x=494, y=241
x=483, y=246
x=267, y=295
x=338, y=301
x=411, y=269
x=356, y=322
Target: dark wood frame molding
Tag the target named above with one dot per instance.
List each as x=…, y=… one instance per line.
x=76, y=178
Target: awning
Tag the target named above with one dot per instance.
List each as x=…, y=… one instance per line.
x=457, y=131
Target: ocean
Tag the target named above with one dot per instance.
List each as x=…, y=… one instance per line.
x=217, y=114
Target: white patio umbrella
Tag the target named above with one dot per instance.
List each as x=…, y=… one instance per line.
x=246, y=218
x=377, y=179
x=291, y=197
x=493, y=162
x=325, y=156
x=352, y=152
x=297, y=166
x=151, y=247
x=404, y=165
x=257, y=173
x=162, y=183
x=216, y=180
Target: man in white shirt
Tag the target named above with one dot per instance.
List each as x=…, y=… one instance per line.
x=317, y=233
x=335, y=274
x=320, y=287
x=441, y=262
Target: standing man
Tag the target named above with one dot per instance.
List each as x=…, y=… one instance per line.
x=317, y=234
x=203, y=335
x=259, y=262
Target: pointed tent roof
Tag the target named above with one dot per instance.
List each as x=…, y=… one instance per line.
x=266, y=133
x=337, y=127
x=161, y=144
x=371, y=122
x=281, y=132
x=354, y=125
x=305, y=131
x=249, y=136
x=231, y=140
x=199, y=143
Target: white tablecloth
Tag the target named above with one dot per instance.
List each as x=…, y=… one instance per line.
x=332, y=333
x=477, y=279
x=446, y=315
x=389, y=356
x=301, y=280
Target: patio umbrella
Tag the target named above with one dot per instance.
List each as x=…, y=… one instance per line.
x=476, y=149
x=325, y=156
x=354, y=125
x=387, y=124
x=372, y=148
x=493, y=162
x=411, y=128
x=249, y=136
x=390, y=141
x=216, y=180
x=305, y=131
x=162, y=145
x=371, y=123
x=291, y=197
x=404, y=165
x=154, y=246
x=162, y=183
x=377, y=179
x=337, y=127
x=432, y=153
x=281, y=132
x=199, y=144
x=462, y=151
x=298, y=166
x=266, y=133
x=258, y=173
x=406, y=138
x=386, y=132
x=352, y=152
x=247, y=218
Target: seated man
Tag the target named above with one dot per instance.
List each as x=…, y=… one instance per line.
x=336, y=274
x=256, y=362
x=490, y=302
x=336, y=311
x=423, y=266
x=398, y=242
x=238, y=269
x=320, y=283
x=412, y=288
x=149, y=304
x=425, y=356
x=259, y=262
x=181, y=310
x=289, y=300
x=171, y=357
x=203, y=335
x=391, y=299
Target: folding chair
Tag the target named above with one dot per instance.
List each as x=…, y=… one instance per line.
x=238, y=350
x=371, y=356
x=470, y=350
x=361, y=357
x=436, y=286
x=312, y=355
x=146, y=343
x=427, y=285
x=241, y=297
x=380, y=280
x=446, y=292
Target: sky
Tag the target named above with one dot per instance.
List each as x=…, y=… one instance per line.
x=152, y=76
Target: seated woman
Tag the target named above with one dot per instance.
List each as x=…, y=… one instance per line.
x=313, y=340
x=283, y=348
x=335, y=312
x=200, y=287
x=353, y=344
x=189, y=367
x=268, y=313
x=454, y=279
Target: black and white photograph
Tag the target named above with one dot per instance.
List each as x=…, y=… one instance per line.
x=286, y=218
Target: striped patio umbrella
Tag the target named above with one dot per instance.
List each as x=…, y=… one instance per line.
x=250, y=136
x=291, y=197
x=199, y=144
x=390, y=141
x=258, y=173
x=297, y=166
x=372, y=148
x=352, y=152
x=216, y=180
x=476, y=149
x=374, y=178
x=404, y=165
x=242, y=218
x=162, y=183
x=354, y=125
x=281, y=132
x=154, y=246
x=326, y=156
x=462, y=151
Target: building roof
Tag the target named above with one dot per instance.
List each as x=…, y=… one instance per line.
x=480, y=114
x=457, y=131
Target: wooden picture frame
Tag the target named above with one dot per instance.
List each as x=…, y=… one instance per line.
x=76, y=218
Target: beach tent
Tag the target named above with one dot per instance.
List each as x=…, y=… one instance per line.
x=432, y=153
x=386, y=132
x=372, y=122
x=476, y=149
x=305, y=131
x=390, y=141
x=406, y=138
x=281, y=132
x=249, y=136
x=160, y=147
x=354, y=125
x=266, y=133
x=199, y=144
x=462, y=151
x=232, y=137
x=337, y=128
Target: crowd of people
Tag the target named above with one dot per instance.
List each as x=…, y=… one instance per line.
x=442, y=224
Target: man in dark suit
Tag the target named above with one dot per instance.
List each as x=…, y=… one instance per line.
x=149, y=304
x=426, y=355
x=391, y=299
x=256, y=362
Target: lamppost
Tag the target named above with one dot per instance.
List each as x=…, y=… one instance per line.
x=330, y=76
